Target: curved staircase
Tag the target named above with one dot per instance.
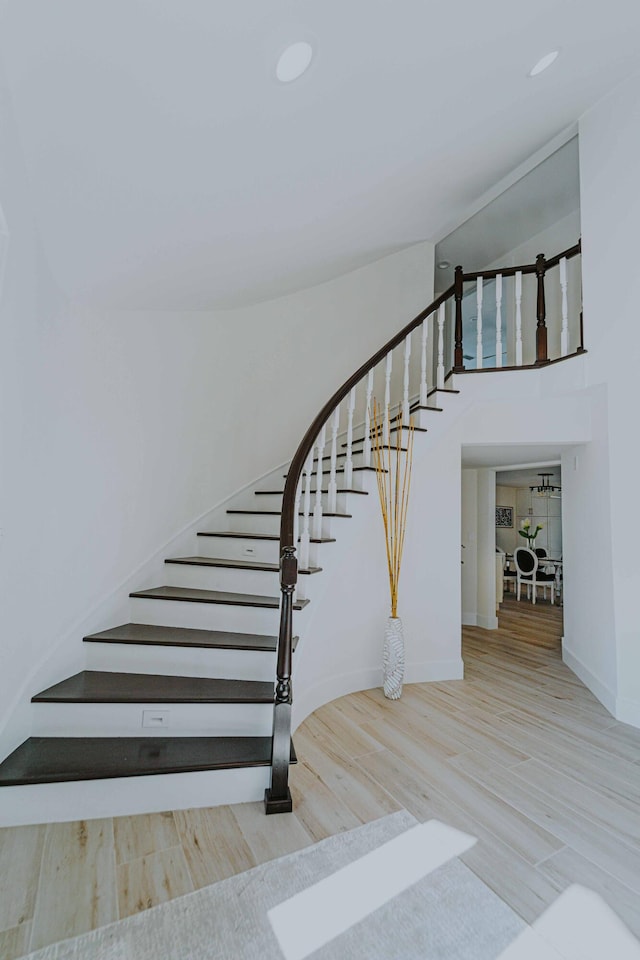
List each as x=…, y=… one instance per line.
x=199, y=657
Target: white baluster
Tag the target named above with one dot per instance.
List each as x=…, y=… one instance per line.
x=367, y=422
x=333, y=484
x=440, y=370
x=518, y=318
x=296, y=513
x=499, y=320
x=405, y=388
x=348, y=467
x=479, y=323
x=317, y=510
x=564, y=336
x=423, y=362
x=387, y=393
x=305, y=537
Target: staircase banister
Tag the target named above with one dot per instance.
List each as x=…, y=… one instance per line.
x=306, y=445
x=525, y=268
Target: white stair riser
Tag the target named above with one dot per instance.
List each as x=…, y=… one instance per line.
x=125, y=719
x=234, y=548
x=238, y=548
x=181, y=661
x=266, y=523
x=259, y=582
x=123, y=796
x=209, y=616
x=263, y=583
x=274, y=502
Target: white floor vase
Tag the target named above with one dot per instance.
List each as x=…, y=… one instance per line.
x=393, y=658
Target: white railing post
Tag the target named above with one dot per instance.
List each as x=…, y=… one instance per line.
x=564, y=335
x=348, y=467
x=305, y=537
x=333, y=484
x=499, y=320
x=518, y=318
x=367, y=422
x=440, y=369
x=405, y=388
x=387, y=394
x=317, y=510
x=423, y=363
x=479, y=324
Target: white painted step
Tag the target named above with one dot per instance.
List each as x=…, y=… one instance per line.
x=122, y=796
x=128, y=719
x=182, y=661
x=210, y=616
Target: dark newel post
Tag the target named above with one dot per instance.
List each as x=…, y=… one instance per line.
x=581, y=347
x=458, y=359
x=541, y=329
x=277, y=799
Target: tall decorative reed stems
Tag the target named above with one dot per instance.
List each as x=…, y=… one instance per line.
x=393, y=473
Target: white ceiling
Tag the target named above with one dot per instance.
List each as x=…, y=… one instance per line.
x=169, y=169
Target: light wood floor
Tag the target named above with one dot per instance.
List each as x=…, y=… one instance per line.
x=519, y=754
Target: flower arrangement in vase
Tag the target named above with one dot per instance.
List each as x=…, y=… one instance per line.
x=393, y=473
x=525, y=532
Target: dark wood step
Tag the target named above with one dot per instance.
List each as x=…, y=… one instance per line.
x=441, y=390
x=419, y=407
x=256, y=536
x=277, y=513
x=383, y=446
x=391, y=430
x=97, y=686
x=326, y=473
x=189, y=595
x=147, y=634
x=234, y=564
x=279, y=493
x=58, y=759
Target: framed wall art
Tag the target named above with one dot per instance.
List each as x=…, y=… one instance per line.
x=504, y=516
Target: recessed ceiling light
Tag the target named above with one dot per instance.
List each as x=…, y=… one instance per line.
x=444, y=264
x=293, y=61
x=543, y=63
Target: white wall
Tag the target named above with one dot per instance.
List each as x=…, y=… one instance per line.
x=469, y=535
x=604, y=636
x=120, y=429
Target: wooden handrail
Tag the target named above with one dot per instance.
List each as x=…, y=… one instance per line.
x=278, y=796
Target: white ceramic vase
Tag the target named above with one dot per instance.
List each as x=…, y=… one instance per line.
x=393, y=658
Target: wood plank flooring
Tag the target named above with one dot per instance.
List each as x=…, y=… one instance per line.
x=519, y=754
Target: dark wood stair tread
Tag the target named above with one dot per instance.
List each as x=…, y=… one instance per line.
x=148, y=634
x=278, y=513
x=341, y=470
x=234, y=564
x=419, y=407
x=98, y=686
x=279, y=493
x=212, y=596
x=57, y=759
x=239, y=534
x=441, y=390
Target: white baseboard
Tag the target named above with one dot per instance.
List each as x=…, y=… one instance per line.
x=330, y=689
x=488, y=623
x=431, y=671
x=599, y=689
x=469, y=619
x=628, y=711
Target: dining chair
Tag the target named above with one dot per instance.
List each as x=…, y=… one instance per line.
x=528, y=572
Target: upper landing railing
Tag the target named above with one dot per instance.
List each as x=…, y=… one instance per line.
x=506, y=319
